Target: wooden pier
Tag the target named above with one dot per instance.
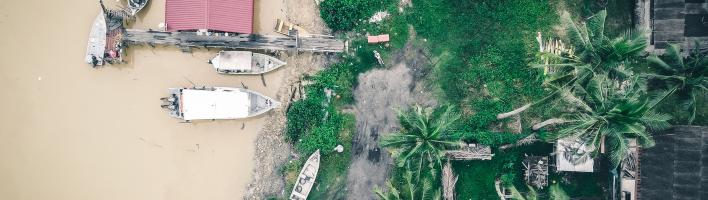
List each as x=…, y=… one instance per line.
x=187, y=40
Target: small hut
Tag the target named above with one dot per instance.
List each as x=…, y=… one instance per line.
x=536, y=171
x=573, y=156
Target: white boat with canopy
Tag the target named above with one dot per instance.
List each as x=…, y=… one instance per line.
x=244, y=62
x=306, y=179
x=216, y=103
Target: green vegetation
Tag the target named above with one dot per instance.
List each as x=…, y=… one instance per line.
x=611, y=112
x=595, y=53
x=484, y=50
x=485, y=63
x=423, y=137
x=344, y=15
x=684, y=78
x=424, y=189
x=317, y=122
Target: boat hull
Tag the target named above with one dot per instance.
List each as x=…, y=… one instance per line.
x=96, y=47
x=244, y=63
x=306, y=178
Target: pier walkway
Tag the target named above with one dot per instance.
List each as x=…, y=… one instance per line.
x=187, y=40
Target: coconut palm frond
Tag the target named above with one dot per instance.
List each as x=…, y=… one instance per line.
x=618, y=148
x=424, y=135
x=656, y=121
x=596, y=25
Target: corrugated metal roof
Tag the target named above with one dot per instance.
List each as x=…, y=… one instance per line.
x=219, y=15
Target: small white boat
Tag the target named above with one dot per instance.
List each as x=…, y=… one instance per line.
x=244, y=62
x=216, y=103
x=97, y=41
x=136, y=5
x=307, y=177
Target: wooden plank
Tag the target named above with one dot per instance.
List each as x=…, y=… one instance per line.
x=669, y=25
x=668, y=13
x=668, y=36
x=696, y=8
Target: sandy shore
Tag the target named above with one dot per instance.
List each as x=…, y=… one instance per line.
x=68, y=131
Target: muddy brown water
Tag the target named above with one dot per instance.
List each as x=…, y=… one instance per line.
x=68, y=131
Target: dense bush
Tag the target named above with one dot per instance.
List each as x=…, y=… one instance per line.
x=302, y=116
x=324, y=137
x=344, y=15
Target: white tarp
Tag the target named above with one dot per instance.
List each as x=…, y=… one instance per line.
x=219, y=104
x=233, y=60
x=564, y=164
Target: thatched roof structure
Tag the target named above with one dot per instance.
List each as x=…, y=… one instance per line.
x=470, y=152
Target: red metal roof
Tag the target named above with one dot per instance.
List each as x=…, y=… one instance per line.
x=219, y=15
x=378, y=38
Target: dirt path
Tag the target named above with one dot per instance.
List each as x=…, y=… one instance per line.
x=380, y=91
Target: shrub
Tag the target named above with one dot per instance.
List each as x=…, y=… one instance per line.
x=302, y=116
x=344, y=15
x=323, y=137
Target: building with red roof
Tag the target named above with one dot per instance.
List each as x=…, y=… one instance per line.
x=215, y=15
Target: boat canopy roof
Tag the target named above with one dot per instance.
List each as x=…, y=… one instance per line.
x=233, y=60
x=218, y=104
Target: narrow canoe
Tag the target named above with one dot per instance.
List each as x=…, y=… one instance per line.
x=306, y=179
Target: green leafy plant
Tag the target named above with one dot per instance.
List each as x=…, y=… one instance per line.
x=302, y=116
x=424, y=189
x=595, y=53
x=612, y=111
x=323, y=137
x=685, y=78
x=344, y=15
x=423, y=137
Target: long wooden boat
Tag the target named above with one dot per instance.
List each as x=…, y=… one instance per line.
x=307, y=177
x=216, y=103
x=244, y=62
x=96, y=48
x=134, y=6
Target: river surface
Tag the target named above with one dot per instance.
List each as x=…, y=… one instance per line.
x=68, y=131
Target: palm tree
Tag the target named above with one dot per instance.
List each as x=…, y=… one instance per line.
x=595, y=53
x=409, y=190
x=592, y=53
x=423, y=137
x=612, y=111
x=683, y=77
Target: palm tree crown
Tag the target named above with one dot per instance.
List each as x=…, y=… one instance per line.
x=613, y=111
x=596, y=52
x=684, y=77
x=423, y=137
